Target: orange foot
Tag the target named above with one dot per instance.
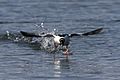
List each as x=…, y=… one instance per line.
x=67, y=52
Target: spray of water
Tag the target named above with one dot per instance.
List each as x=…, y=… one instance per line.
x=46, y=43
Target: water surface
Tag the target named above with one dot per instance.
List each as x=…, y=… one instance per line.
x=94, y=57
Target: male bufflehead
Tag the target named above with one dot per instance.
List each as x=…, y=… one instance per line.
x=61, y=39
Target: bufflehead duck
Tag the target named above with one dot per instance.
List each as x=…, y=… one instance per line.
x=61, y=39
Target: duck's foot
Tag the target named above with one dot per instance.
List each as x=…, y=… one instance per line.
x=67, y=53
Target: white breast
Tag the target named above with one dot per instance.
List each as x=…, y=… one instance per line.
x=57, y=39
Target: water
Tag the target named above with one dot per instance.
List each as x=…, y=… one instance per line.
x=94, y=57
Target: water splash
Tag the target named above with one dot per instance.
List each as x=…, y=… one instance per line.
x=8, y=34
x=48, y=44
x=44, y=42
x=41, y=28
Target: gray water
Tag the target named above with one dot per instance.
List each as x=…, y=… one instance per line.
x=95, y=57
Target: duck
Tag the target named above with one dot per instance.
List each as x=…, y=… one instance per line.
x=61, y=39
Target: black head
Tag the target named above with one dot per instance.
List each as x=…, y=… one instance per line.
x=62, y=40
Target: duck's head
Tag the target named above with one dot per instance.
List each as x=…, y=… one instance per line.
x=62, y=41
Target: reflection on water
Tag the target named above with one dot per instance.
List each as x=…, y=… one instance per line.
x=60, y=65
x=63, y=63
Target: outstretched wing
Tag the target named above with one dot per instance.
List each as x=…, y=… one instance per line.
x=48, y=35
x=75, y=34
x=70, y=35
x=62, y=35
x=27, y=34
x=96, y=31
x=93, y=32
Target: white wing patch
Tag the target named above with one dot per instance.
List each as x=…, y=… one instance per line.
x=57, y=39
